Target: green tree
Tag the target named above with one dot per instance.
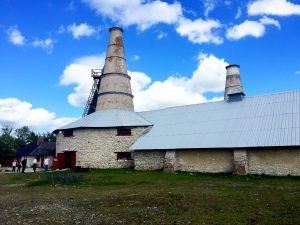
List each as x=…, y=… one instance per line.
x=49, y=136
x=8, y=144
x=25, y=136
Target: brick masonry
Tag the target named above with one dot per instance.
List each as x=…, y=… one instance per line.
x=240, y=162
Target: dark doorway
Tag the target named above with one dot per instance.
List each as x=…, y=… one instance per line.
x=70, y=159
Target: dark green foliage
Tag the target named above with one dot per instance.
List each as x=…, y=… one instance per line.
x=25, y=136
x=8, y=144
x=49, y=136
x=11, y=140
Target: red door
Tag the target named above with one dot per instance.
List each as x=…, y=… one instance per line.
x=72, y=159
x=61, y=160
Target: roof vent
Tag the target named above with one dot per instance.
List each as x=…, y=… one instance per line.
x=234, y=90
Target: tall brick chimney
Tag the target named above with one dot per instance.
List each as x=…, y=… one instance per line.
x=115, y=89
x=234, y=90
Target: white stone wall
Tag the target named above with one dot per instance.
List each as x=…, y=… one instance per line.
x=95, y=147
x=278, y=162
x=206, y=161
x=149, y=160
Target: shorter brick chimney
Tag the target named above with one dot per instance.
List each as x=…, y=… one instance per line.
x=234, y=90
x=40, y=140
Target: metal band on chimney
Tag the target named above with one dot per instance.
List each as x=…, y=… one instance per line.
x=116, y=74
x=115, y=28
x=116, y=57
x=115, y=92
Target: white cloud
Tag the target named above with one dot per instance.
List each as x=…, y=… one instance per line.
x=81, y=30
x=78, y=73
x=247, y=28
x=61, y=29
x=174, y=91
x=15, y=36
x=250, y=28
x=209, y=5
x=149, y=13
x=135, y=58
x=273, y=7
x=142, y=13
x=238, y=13
x=71, y=6
x=19, y=113
x=200, y=31
x=209, y=77
x=161, y=35
x=269, y=21
x=297, y=72
x=47, y=44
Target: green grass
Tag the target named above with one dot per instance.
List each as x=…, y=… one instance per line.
x=141, y=197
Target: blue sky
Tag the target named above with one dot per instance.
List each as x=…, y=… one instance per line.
x=176, y=52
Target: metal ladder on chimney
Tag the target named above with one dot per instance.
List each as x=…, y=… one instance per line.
x=92, y=100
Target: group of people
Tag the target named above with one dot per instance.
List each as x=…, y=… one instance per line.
x=16, y=164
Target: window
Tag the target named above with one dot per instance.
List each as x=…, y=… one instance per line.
x=123, y=155
x=68, y=133
x=123, y=132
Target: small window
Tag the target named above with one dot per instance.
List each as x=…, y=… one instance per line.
x=68, y=133
x=123, y=155
x=123, y=132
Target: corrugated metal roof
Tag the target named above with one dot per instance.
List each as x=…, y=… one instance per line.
x=108, y=118
x=260, y=121
x=45, y=148
x=26, y=150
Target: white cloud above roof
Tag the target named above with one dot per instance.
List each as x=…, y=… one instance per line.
x=247, y=28
x=273, y=7
x=81, y=30
x=15, y=36
x=250, y=28
x=144, y=14
x=208, y=77
x=209, y=6
x=200, y=31
x=238, y=13
x=19, y=113
x=78, y=73
x=269, y=21
x=46, y=44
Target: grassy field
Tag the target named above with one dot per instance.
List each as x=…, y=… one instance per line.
x=131, y=197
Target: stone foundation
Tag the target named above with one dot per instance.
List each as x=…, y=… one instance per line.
x=278, y=162
x=205, y=161
x=149, y=160
x=275, y=162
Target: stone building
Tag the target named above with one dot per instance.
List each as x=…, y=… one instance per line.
x=243, y=135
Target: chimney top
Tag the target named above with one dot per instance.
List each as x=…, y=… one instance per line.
x=232, y=65
x=234, y=90
x=40, y=140
x=115, y=28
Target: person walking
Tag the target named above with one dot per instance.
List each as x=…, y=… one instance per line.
x=34, y=164
x=14, y=164
x=18, y=166
x=46, y=164
x=24, y=162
